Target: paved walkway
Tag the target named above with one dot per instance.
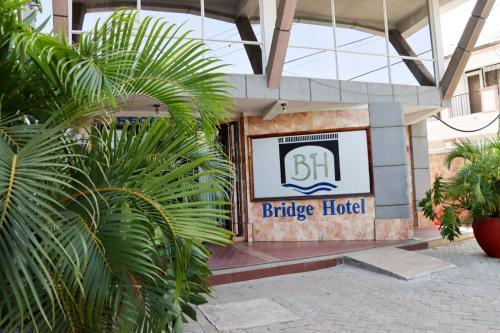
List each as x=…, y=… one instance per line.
x=349, y=299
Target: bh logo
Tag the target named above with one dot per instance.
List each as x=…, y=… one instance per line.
x=309, y=163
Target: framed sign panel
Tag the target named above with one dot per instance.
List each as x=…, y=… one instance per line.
x=310, y=165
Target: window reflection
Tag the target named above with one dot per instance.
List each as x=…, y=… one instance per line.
x=233, y=55
x=362, y=67
x=412, y=72
x=310, y=63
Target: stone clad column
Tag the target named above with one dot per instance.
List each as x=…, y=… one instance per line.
x=420, y=169
x=390, y=171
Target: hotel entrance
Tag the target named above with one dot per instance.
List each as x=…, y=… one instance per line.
x=229, y=139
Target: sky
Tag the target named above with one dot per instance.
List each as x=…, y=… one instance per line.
x=311, y=63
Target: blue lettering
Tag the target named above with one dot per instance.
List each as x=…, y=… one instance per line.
x=284, y=210
x=348, y=207
x=291, y=209
x=355, y=208
x=267, y=210
x=341, y=209
x=362, y=206
x=327, y=207
x=304, y=211
x=309, y=210
x=300, y=213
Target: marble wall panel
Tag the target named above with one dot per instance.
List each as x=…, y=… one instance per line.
x=393, y=229
x=317, y=227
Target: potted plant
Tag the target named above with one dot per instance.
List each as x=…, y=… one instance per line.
x=474, y=191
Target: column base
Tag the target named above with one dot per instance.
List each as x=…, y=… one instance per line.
x=393, y=229
x=423, y=222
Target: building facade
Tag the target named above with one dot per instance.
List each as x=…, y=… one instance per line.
x=475, y=102
x=328, y=136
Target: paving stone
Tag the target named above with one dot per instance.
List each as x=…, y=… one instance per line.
x=349, y=299
x=247, y=314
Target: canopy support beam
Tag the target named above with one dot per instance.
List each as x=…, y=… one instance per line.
x=279, y=45
x=254, y=52
x=416, y=67
x=465, y=46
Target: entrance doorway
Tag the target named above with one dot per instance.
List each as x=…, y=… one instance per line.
x=474, y=83
x=229, y=138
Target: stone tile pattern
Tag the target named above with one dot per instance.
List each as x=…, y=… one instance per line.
x=348, y=299
x=437, y=166
x=393, y=229
x=316, y=227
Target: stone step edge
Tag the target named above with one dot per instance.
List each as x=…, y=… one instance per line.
x=253, y=272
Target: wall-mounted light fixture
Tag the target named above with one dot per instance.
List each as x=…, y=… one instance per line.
x=157, y=108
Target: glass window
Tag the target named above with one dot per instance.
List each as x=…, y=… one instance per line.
x=491, y=77
x=312, y=24
x=310, y=63
x=186, y=13
x=90, y=20
x=45, y=14
x=403, y=71
x=361, y=67
x=87, y=13
x=409, y=30
x=360, y=27
x=235, y=20
x=231, y=54
x=400, y=73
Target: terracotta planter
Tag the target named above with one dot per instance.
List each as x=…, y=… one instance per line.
x=487, y=233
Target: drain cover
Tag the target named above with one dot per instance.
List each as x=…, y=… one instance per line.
x=246, y=314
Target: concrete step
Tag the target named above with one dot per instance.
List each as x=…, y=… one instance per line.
x=259, y=271
x=396, y=262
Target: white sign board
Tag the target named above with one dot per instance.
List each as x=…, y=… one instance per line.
x=311, y=165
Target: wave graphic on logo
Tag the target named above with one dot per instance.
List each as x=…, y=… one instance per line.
x=307, y=190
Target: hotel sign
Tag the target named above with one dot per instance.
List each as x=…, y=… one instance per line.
x=311, y=165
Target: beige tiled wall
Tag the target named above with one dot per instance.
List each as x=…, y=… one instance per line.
x=316, y=227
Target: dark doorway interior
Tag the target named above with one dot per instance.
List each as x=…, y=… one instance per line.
x=474, y=83
x=229, y=138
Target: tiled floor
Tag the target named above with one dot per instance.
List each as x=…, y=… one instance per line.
x=244, y=254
